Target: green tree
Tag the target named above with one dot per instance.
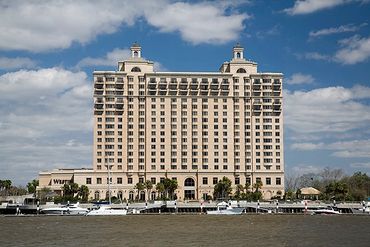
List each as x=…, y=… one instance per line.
x=257, y=186
x=160, y=188
x=31, y=186
x=148, y=185
x=139, y=187
x=43, y=194
x=222, y=189
x=83, y=193
x=172, y=187
x=239, y=191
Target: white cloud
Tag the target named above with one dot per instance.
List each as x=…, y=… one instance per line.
x=299, y=78
x=361, y=165
x=354, y=50
x=310, y=6
x=342, y=149
x=7, y=63
x=110, y=59
x=327, y=110
x=316, y=56
x=305, y=169
x=334, y=30
x=46, y=117
x=48, y=25
x=197, y=23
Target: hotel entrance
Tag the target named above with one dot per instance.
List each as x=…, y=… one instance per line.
x=189, y=189
x=189, y=194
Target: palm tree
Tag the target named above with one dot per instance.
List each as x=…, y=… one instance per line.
x=83, y=192
x=247, y=187
x=222, y=189
x=140, y=187
x=31, y=186
x=148, y=186
x=257, y=186
x=159, y=188
x=172, y=188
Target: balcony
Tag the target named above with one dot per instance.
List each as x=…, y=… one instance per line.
x=162, y=84
x=277, y=82
x=98, y=92
x=173, y=85
x=119, y=86
x=99, y=86
x=214, y=85
x=183, y=85
x=256, y=87
x=257, y=108
x=257, y=102
x=98, y=112
x=225, y=85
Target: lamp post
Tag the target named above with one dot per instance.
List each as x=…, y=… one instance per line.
x=109, y=181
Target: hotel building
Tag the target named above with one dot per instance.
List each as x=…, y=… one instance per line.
x=195, y=127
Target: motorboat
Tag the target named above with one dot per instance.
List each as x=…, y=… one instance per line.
x=107, y=210
x=327, y=210
x=225, y=208
x=69, y=209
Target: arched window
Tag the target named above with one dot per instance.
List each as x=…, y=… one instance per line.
x=96, y=195
x=238, y=55
x=142, y=196
x=131, y=196
x=136, y=54
x=135, y=69
x=189, y=182
x=120, y=195
x=153, y=196
x=241, y=70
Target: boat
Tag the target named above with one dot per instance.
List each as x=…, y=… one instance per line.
x=69, y=209
x=328, y=210
x=107, y=210
x=104, y=210
x=225, y=208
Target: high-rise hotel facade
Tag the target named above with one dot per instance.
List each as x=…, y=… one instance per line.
x=195, y=127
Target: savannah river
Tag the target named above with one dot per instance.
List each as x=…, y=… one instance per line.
x=186, y=230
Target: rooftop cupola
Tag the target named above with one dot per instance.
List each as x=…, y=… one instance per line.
x=238, y=51
x=135, y=50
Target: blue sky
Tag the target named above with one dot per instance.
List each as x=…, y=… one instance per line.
x=48, y=50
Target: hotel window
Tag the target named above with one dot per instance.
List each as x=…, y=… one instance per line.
x=205, y=180
x=237, y=180
x=119, y=180
x=278, y=181
x=258, y=180
x=88, y=180
x=215, y=180
x=268, y=181
x=129, y=180
x=225, y=166
x=98, y=180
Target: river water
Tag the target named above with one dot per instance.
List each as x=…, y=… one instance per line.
x=186, y=230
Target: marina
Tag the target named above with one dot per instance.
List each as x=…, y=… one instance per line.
x=189, y=207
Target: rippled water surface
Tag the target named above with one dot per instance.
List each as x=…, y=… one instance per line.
x=186, y=230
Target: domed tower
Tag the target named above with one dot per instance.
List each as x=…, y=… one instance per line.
x=135, y=50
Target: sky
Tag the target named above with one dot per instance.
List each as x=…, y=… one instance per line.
x=49, y=49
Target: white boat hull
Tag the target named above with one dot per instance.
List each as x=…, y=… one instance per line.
x=233, y=211
x=65, y=211
x=105, y=211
